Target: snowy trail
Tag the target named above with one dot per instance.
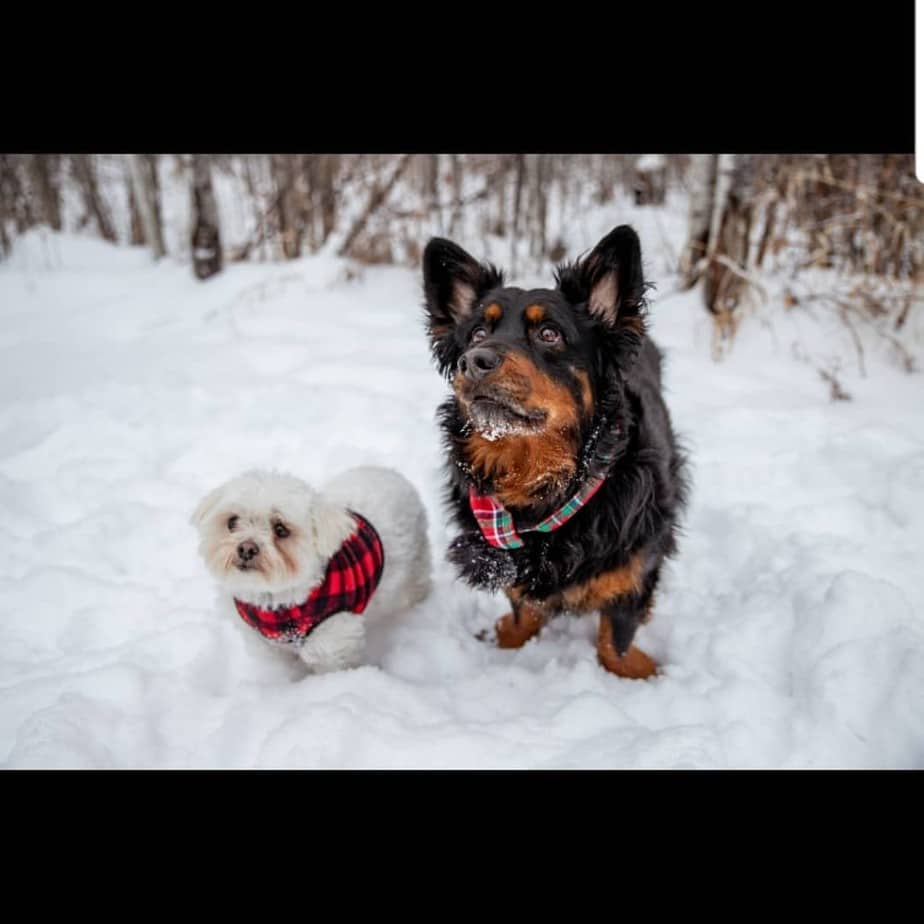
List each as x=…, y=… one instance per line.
x=790, y=627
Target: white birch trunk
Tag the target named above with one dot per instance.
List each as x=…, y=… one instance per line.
x=724, y=170
x=147, y=205
x=702, y=177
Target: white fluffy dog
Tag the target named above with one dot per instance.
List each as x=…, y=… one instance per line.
x=305, y=569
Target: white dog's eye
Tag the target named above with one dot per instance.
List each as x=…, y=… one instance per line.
x=280, y=530
x=232, y=523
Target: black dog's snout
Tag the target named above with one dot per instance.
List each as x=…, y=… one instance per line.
x=477, y=362
x=248, y=550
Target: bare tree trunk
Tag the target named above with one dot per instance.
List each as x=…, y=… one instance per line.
x=541, y=199
x=600, y=177
x=433, y=188
x=45, y=181
x=379, y=195
x=259, y=232
x=136, y=230
x=456, y=216
x=702, y=196
x=718, y=247
x=5, y=209
x=725, y=168
x=150, y=161
x=18, y=203
x=287, y=209
x=146, y=200
x=819, y=206
x=328, y=173
x=517, y=200
x=206, y=239
x=302, y=199
x=766, y=236
x=727, y=274
x=85, y=174
x=498, y=223
x=311, y=177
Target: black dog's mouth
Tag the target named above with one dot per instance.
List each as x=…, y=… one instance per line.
x=495, y=416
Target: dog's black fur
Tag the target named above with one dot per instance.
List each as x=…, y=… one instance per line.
x=598, y=309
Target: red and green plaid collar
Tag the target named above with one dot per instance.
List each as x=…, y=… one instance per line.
x=496, y=522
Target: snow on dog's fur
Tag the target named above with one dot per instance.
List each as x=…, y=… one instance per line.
x=288, y=533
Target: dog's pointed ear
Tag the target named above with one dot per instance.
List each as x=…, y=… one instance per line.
x=206, y=507
x=453, y=282
x=609, y=279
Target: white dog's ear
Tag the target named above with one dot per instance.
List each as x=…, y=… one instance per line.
x=331, y=526
x=206, y=506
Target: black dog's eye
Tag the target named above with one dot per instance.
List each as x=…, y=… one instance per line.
x=478, y=334
x=549, y=334
x=232, y=523
x=280, y=530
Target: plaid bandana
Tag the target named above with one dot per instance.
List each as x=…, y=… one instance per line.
x=496, y=523
x=352, y=576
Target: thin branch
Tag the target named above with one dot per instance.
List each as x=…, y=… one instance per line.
x=379, y=195
x=742, y=272
x=871, y=191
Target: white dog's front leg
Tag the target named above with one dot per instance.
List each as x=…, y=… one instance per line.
x=339, y=642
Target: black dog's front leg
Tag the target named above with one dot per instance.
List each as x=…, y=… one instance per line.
x=482, y=565
x=619, y=621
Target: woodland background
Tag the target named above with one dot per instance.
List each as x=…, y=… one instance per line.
x=748, y=215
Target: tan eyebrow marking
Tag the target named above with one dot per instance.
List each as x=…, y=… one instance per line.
x=493, y=313
x=535, y=314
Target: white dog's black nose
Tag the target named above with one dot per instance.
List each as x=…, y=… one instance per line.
x=248, y=550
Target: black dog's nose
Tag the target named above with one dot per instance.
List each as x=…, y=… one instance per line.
x=248, y=550
x=477, y=362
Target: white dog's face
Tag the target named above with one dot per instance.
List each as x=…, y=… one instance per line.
x=268, y=533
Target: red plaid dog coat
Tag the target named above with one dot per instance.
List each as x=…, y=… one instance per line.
x=352, y=576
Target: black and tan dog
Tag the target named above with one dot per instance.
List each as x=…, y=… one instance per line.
x=564, y=474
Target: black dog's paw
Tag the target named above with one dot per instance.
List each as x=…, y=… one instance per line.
x=480, y=564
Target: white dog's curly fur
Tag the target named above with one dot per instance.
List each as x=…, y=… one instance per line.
x=259, y=506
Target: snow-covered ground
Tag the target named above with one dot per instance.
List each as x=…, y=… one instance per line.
x=790, y=628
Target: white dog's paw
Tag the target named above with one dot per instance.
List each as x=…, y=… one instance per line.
x=327, y=666
x=337, y=644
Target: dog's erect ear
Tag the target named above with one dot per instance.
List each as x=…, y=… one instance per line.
x=609, y=278
x=206, y=506
x=453, y=282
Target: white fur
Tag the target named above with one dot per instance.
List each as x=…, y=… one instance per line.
x=319, y=523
